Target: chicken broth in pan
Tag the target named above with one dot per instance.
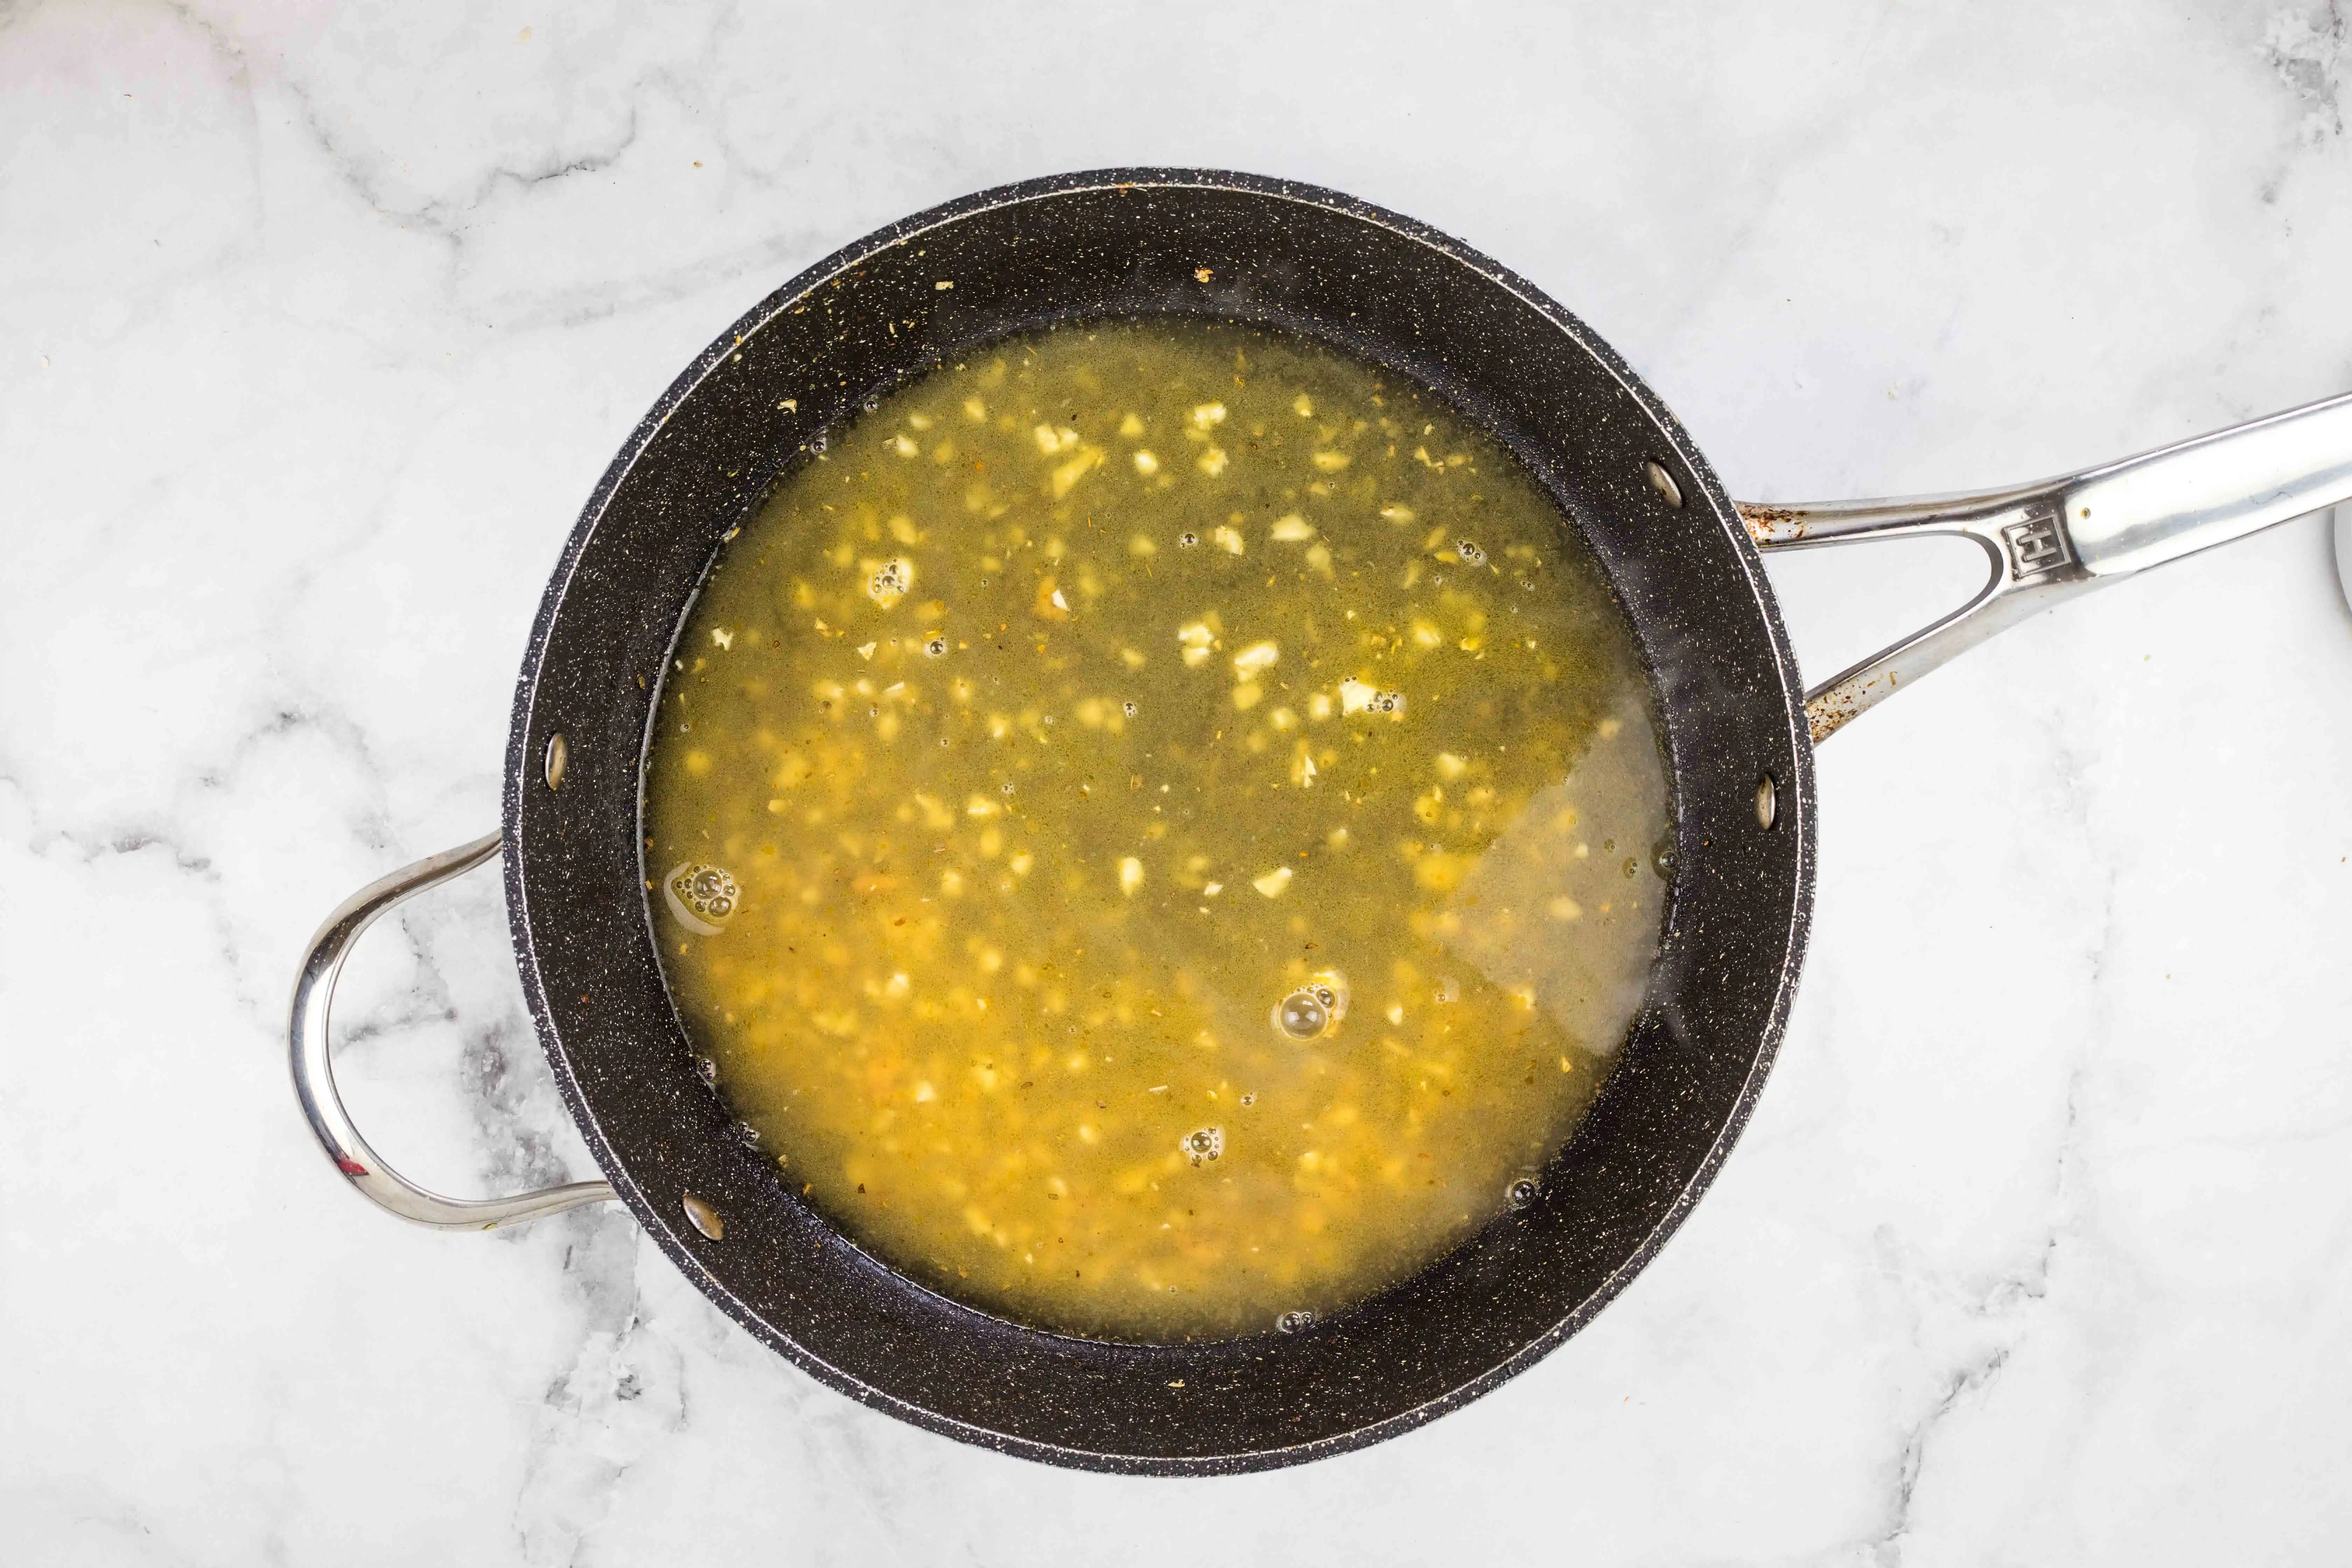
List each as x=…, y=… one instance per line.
x=1157, y=829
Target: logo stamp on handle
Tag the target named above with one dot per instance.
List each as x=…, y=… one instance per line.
x=2036, y=544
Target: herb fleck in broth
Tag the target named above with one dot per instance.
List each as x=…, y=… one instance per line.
x=1156, y=829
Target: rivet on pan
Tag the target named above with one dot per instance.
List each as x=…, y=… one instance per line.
x=559, y=752
x=1768, y=802
x=1663, y=483
x=706, y=1218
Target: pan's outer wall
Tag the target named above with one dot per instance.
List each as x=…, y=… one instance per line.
x=1132, y=242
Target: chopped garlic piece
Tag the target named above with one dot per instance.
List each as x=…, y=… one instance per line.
x=1196, y=639
x=1272, y=882
x=1209, y=413
x=1130, y=875
x=1227, y=538
x=1291, y=529
x=1067, y=476
x=1257, y=657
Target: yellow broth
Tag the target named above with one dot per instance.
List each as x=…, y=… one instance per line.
x=1156, y=829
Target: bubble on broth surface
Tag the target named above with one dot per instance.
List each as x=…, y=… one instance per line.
x=1330, y=988
x=1315, y=1009
x=1203, y=1144
x=1361, y=697
x=702, y=899
x=935, y=647
x=1469, y=550
x=890, y=581
x=1301, y=1015
x=1294, y=1323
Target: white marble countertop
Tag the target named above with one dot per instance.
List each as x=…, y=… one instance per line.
x=316, y=327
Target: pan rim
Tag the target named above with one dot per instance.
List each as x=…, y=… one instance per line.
x=1797, y=804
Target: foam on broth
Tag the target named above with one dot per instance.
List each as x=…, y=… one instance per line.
x=1158, y=828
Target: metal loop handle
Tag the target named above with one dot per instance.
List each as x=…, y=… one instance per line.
x=2046, y=543
x=314, y=1074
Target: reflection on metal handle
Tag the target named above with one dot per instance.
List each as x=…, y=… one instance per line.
x=2048, y=541
x=314, y=1076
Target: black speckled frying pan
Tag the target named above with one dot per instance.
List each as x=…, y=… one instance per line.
x=1739, y=729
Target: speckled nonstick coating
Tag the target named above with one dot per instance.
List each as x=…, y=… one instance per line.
x=1129, y=242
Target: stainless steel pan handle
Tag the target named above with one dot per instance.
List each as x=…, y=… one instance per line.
x=314, y=1073
x=2046, y=543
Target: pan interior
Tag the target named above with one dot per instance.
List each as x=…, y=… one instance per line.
x=1232, y=248
x=1159, y=829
